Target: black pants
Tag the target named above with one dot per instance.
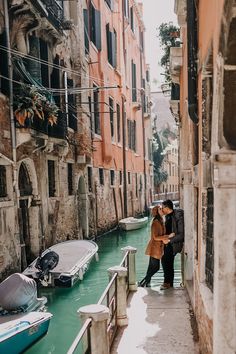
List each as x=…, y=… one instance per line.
x=167, y=262
x=153, y=267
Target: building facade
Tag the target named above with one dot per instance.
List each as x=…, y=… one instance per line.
x=205, y=66
x=120, y=177
x=74, y=125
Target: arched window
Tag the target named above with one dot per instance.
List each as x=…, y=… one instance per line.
x=25, y=185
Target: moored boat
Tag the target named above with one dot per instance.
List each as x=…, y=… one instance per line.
x=20, y=331
x=132, y=223
x=22, y=317
x=62, y=264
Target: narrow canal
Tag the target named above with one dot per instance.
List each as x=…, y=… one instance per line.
x=64, y=303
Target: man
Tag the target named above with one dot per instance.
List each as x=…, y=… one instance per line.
x=174, y=222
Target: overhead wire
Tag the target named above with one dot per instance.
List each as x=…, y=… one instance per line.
x=52, y=65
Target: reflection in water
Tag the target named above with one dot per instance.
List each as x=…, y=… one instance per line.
x=64, y=303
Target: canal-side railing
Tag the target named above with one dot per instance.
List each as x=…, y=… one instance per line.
x=102, y=320
x=109, y=299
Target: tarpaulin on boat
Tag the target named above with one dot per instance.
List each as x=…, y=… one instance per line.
x=16, y=291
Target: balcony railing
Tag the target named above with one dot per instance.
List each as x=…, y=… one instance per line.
x=58, y=130
x=55, y=12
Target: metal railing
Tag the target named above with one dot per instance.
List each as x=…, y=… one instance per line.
x=109, y=298
x=84, y=334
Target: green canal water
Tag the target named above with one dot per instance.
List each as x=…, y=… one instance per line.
x=64, y=303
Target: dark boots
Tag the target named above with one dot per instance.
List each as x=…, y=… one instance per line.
x=144, y=283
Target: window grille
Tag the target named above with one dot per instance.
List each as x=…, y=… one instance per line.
x=118, y=123
x=129, y=178
x=70, y=178
x=112, y=175
x=111, y=109
x=97, y=128
x=101, y=176
x=51, y=178
x=90, y=179
x=209, y=265
x=121, y=178
x=3, y=182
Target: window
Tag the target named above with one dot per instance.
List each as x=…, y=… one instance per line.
x=209, y=265
x=51, y=178
x=147, y=76
x=118, y=122
x=132, y=24
x=129, y=178
x=126, y=8
x=101, y=176
x=112, y=177
x=86, y=31
x=3, y=182
x=111, y=109
x=141, y=40
x=136, y=185
x=72, y=110
x=70, y=178
x=131, y=134
x=134, y=87
x=90, y=178
x=96, y=113
x=111, y=46
x=120, y=177
x=95, y=26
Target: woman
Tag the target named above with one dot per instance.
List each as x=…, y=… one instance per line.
x=155, y=247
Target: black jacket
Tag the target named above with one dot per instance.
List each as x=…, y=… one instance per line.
x=178, y=228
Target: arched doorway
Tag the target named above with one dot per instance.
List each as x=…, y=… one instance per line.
x=82, y=208
x=25, y=189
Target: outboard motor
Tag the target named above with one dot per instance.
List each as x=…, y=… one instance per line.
x=46, y=263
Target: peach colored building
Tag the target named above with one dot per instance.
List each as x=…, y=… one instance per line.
x=120, y=173
x=205, y=67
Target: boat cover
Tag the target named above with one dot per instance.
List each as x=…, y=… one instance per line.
x=16, y=291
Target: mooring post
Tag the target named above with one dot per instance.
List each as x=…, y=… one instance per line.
x=122, y=319
x=98, y=331
x=132, y=267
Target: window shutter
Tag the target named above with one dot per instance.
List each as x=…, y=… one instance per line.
x=97, y=19
x=134, y=92
x=72, y=111
x=113, y=49
x=86, y=31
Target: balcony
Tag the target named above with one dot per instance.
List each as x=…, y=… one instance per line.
x=174, y=101
x=181, y=11
x=176, y=62
x=54, y=11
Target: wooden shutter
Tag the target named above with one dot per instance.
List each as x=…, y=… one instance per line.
x=86, y=31
x=97, y=22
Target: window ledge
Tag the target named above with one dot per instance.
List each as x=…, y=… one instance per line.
x=6, y=203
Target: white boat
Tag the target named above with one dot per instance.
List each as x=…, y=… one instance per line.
x=22, y=317
x=132, y=223
x=62, y=264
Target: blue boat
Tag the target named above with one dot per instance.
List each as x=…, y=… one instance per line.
x=18, y=332
x=22, y=317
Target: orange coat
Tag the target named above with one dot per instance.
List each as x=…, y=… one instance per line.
x=155, y=247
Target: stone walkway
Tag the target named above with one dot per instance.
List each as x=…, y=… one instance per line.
x=160, y=322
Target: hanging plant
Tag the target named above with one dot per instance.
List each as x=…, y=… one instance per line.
x=34, y=104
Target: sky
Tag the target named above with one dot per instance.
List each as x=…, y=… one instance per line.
x=156, y=12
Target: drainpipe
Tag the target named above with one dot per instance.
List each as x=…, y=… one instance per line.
x=144, y=146
x=10, y=75
x=124, y=126
x=124, y=157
